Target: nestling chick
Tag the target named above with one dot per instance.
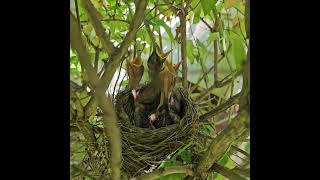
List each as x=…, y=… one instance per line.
x=135, y=70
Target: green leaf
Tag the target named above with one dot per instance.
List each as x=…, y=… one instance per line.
x=223, y=160
x=112, y=2
x=197, y=11
x=237, y=50
x=186, y=156
x=207, y=5
x=247, y=147
x=230, y=3
x=165, y=26
x=190, y=49
x=212, y=37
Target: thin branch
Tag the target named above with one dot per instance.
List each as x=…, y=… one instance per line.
x=215, y=59
x=77, y=12
x=114, y=88
x=184, y=48
x=109, y=116
x=96, y=60
x=235, y=148
x=231, y=101
x=207, y=24
x=117, y=56
x=151, y=35
x=226, y=172
x=222, y=142
x=220, y=84
x=211, y=68
x=78, y=45
x=93, y=15
x=82, y=172
x=173, y=8
x=187, y=169
x=122, y=81
x=107, y=20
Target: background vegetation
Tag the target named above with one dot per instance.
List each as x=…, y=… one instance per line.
x=210, y=38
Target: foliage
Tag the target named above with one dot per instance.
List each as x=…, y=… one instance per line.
x=208, y=23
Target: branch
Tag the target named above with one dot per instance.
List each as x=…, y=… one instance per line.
x=231, y=101
x=109, y=117
x=93, y=15
x=235, y=148
x=211, y=68
x=170, y=4
x=96, y=60
x=118, y=55
x=107, y=20
x=220, y=84
x=78, y=45
x=83, y=124
x=226, y=172
x=182, y=17
x=166, y=171
x=151, y=35
x=223, y=141
x=207, y=24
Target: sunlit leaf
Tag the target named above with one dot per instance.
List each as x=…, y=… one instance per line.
x=95, y=41
x=165, y=26
x=87, y=29
x=197, y=11
x=230, y=3
x=190, y=49
x=237, y=50
x=207, y=6
x=212, y=37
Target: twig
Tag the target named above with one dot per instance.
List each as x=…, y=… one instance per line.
x=206, y=23
x=226, y=172
x=122, y=81
x=77, y=12
x=211, y=68
x=114, y=88
x=182, y=17
x=222, y=142
x=93, y=16
x=83, y=172
x=96, y=60
x=240, y=151
x=116, y=57
x=217, y=85
x=107, y=20
x=187, y=169
x=231, y=101
x=215, y=65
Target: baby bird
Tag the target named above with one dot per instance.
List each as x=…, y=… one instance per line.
x=135, y=70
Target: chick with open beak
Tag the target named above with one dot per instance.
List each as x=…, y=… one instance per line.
x=167, y=81
x=135, y=70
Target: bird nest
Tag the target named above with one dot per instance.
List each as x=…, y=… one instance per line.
x=143, y=148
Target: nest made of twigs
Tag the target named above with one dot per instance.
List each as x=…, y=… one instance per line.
x=145, y=147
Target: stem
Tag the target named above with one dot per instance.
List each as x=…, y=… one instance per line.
x=222, y=142
x=166, y=171
x=226, y=172
x=109, y=116
x=233, y=100
x=184, y=48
